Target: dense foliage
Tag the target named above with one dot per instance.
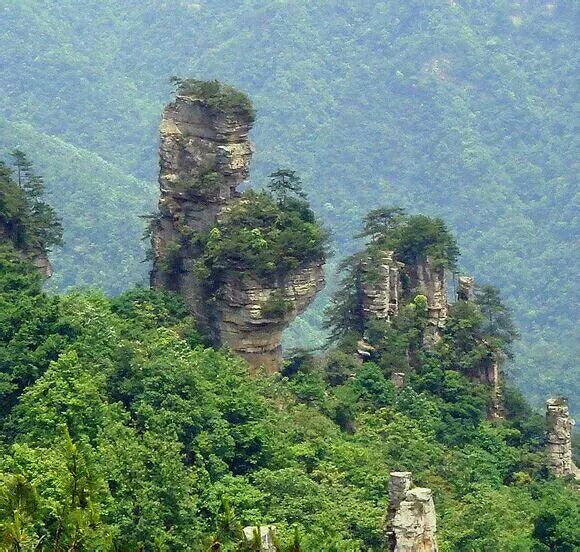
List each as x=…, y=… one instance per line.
x=25, y=219
x=264, y=234
x=120, y=430
x=462, y=109
x=216, y=94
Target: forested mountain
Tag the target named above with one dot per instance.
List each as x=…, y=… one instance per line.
x=462, y=109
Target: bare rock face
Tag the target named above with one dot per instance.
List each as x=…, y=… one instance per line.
x=242, y=318
x=380, y=286
x=466, y=288
x=41, y=262
x=266, y=534
x=204, y=156
x=411, y=522
x=430, y=280
x=559, y=438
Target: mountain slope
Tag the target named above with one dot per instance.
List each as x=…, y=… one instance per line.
x=462, y=109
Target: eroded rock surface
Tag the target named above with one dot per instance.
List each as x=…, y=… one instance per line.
x=428, y=279
x=204, y=156
x=380, y=286
x=559, y=438
x=266, y=535
x=411, y=521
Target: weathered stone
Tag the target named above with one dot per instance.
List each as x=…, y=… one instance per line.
x=559, y=438
x=428, y=279
x=466, y=288
x=414, y=524
x=266, y=535
x=410, y=522
x=380, y=286
x=205, y=154
x=398, y=379
x=240, y=319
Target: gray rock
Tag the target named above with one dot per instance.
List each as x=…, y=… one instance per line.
x=266, y=535
x=559, y=438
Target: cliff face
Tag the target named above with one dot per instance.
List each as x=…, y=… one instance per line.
x=205, y=155
x=428, y=279
x=559, y=438
x=243, y=322
x=380, y=286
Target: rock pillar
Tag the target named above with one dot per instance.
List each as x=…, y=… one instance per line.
x=411, y=522
x=559, y=438
x=264, y=534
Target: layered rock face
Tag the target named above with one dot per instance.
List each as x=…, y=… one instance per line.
x=205, y=154
x=243, y=323
x=559, y=438
x=430, y=280
x=380, y=286
x=411, y=521
x=466, y=288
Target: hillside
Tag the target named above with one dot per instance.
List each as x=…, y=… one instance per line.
x=463, y=109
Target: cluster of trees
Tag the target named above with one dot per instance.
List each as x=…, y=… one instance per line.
x=216, y=94
x=121, y=430
x=265, y=233
x=26, y=220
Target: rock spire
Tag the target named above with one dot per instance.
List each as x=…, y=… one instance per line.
x=559, y=438
x=204, y=156
x=410, y=522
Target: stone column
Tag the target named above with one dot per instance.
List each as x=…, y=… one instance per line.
x=466, y=288
x=266, y=535
x=410, y=522
x=414, y=524
x=559, y=437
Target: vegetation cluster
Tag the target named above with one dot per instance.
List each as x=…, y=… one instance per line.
x=120, y=429
x=265, y=234
x=25, y=219
x=217, y=95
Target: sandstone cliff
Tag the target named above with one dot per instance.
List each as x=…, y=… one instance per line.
x=428, y=279
x=380, y=286
x=205, y=154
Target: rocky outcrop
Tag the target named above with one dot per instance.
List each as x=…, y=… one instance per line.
x=380, y=286
x=264, y=534
x=428, y=279
x=559, y=438
x=243, y=322
x=37, y=256
x=204, y=156
x=466, y=288
x=411, y=522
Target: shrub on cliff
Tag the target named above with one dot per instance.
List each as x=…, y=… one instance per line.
x=262, y=237
x=217, y=95
x=25, y=218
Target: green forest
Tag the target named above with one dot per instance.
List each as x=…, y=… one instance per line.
x=121, y=430
x=441, y=131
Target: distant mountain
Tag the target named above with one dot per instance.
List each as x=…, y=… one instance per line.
x=461, y=109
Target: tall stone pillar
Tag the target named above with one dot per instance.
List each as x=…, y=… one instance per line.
x=559, y=437
x=411, y=522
